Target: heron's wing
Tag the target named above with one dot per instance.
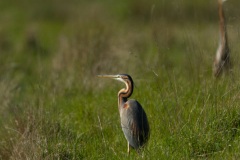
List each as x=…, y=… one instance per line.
x=134, y=123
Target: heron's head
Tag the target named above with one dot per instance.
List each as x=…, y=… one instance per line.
x=126, y=79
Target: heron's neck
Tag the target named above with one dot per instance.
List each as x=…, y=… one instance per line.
x=222, y=25
x=121, y=101
x=124, y=94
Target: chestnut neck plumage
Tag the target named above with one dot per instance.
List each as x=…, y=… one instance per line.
x=125, y=93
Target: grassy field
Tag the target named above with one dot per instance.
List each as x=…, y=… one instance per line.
x=53, y=106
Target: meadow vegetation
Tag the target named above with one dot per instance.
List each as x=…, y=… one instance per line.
x=52, y=105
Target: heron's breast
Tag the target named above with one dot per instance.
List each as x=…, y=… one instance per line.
x=126, y=106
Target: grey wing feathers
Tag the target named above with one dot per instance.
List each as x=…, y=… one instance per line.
x=135, y=124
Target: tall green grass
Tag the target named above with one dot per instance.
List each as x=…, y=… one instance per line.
x=53, y=106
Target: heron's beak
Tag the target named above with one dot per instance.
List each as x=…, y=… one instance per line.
x=108, y=76
x=115, y=77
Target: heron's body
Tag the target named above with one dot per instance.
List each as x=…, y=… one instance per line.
x=133, y=118
x=135, y=126
x=222, y=59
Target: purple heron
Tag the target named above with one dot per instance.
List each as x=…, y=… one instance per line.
x=133, y=118
x=222, y=59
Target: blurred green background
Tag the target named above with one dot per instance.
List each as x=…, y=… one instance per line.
x=52, y=105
